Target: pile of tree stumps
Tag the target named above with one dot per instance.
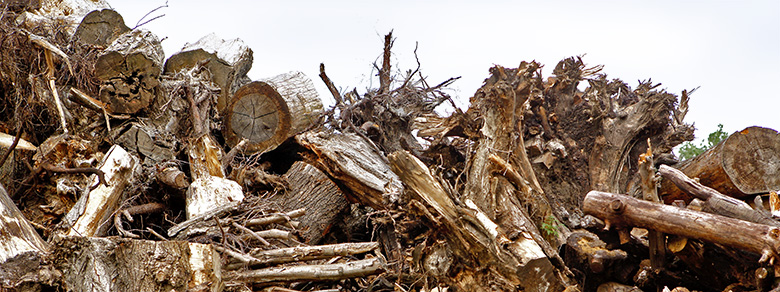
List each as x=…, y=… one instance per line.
x=121, y=170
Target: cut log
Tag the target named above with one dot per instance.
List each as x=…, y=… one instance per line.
x=209, y=188
x=354, y=163
x=129, y=71
x=92, y=214
x=226, y=61
x=746, y=163
x=269, y=111
x=620, y=210
x=314, y=191
x=100, y=27
x=20, y=245
x=117, y=264
x=585, y=252
x=66, y=14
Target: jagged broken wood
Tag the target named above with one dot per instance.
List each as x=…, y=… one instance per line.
x=269, y=111
x=17, y=236
x=209, y=188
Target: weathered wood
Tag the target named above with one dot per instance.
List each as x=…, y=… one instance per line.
x=92, y=214
x=746, y=163
x=17, y=236
x=66, y=14
x=7, y=140
x=585, y=252
x=117, y=264
x=209, y=188
x=269, y=111
x=314, y=191
x=100, y=27
x=621, y=210
x=657, y=240
x=306, y=253
x=129, y=71
x=353, y=269
x=714, y=201
x=354, y=163
x=483, y=243
x=227, y=62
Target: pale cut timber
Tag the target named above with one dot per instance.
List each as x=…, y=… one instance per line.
x=7, y=140
x=314, y=191
x=350, y=160
x=746, y=163
x=209, y=188
x=119, y=264
x=129, y=71
x=269, y=111
x=93, y=211
x=227, y=61
x=17, y=236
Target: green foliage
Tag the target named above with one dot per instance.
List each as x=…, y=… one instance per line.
x=689, y=150
x=550, y=226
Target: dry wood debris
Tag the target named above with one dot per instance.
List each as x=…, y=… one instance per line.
x=185, y=175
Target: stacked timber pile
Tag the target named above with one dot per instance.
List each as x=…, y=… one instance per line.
x=183, y=174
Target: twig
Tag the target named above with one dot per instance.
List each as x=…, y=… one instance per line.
x=156, y=234
x=252, y=233
x=384, y=73
x=13, y=145
x=139, y=24
x=276, y=218
x=53, y=168
x=53, y=86
x=232, y=153
x=331, y=87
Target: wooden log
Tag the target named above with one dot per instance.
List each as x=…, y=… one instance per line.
x=331, y=272
x=746, y=163
x=656, y=239
x=714, y=201
x=129, y=71
x=118, y=264
x=92, y=214
x=621, y=210
x=209, y=188
x=314, y=191
x=17, y=236
x=307, y=253
x=585, y=252
x=67, y=14
x=355, y=164
x=269, y=111
x=100, y=27
x=227, y=61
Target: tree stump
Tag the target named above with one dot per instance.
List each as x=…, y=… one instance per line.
x=227, y=61
x=268, y=112
x=100, y=27
x=746, y=163
x=129, y=71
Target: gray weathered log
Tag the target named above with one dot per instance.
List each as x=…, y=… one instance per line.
x=269, y=111
x=100, y=27
x=129, y=71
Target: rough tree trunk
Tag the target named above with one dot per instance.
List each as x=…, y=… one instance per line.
x=100, y=27
x=746, y=163
x=129, y=71
x=270, y=111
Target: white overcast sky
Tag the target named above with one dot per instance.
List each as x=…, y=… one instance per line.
x=729, y=48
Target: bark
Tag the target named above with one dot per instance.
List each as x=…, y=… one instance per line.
x=100, y=27
x=116, y=264
x=92, y=214
x=129, y=71
x=351, y=161
x=746, y=163
x=620, y=210
x=270, y=111
x=227, y=62
x=317, y=194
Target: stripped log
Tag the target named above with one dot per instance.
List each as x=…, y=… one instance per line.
x=92, y=214
x=129, y=71
x=227, y=62
x=269, y=111
x=620, y=210
x=746, y=163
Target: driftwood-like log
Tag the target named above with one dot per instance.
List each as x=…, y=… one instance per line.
x=227, y=61
x=129, y=71
x=100, y=27
x=306, y=253
x=92, y=214
x=117, y=264
x=714, y=201
x=350, y=160
x=269, y=111
x=621, y=210
x=353, y=269
x=314, y=191
x=746, y=163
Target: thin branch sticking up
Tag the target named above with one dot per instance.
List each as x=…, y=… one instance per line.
x=384, y=73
